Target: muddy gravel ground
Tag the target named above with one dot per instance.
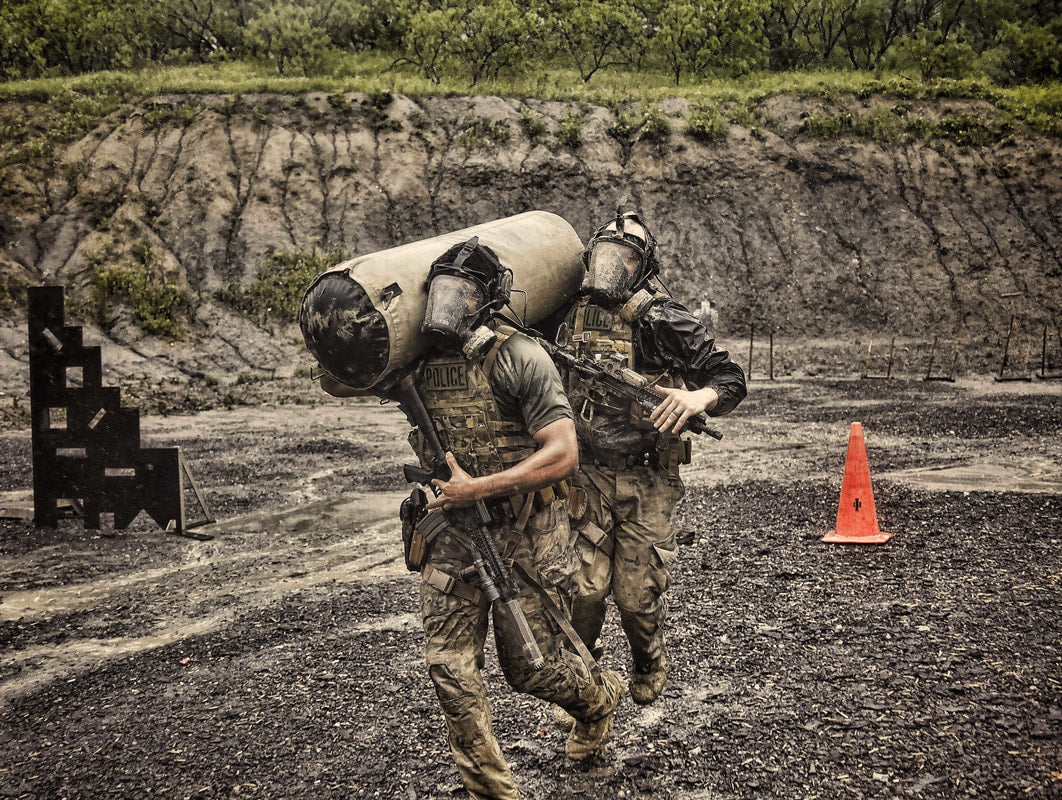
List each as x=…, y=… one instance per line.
x=283, y=657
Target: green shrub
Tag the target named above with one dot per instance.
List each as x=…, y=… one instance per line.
x=648, y=124
x=656, y=127
x=286, y=36
x=626, y=127
x=533, y=123
x=880, y=125
x=180, y=114
x=157, y=304
x=278, y=289
x=570, y=131
x=479, y=133
x=822, y=125
x=706, y=125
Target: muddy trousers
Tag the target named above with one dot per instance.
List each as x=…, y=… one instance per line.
x=627, y=545
x=456, y=630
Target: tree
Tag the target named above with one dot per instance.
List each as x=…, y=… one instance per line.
x=199, y=28
x=425, y=35
x=700, y=36
x=88, y=35
x=495, y=37
x=286, y=36
x=22, y=40
x=1028, y=52
x=937, y=56
x=485, y=39
x=596, y=34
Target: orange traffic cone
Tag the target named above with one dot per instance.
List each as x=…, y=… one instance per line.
x=857, y=522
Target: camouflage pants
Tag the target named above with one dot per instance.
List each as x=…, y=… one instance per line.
x=456, y=630
x=627, y=545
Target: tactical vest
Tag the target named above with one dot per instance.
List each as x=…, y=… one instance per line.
x=457, y=394
x=610, y=428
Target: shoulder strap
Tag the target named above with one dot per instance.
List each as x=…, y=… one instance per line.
x=635, y=308
x=504, y=332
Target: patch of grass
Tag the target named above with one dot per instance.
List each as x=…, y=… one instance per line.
x=478, y=134
x=882, y=124
x=277, y=291
x=706, y=124
x=533, y=123
x=641, y=123
x=180, y=114
x=962, y=129
x=887, y=124
x=157, y=304
x=969, y=131
x=570, y=131
x=43, y=121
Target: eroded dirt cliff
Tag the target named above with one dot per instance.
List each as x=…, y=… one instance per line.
x=839, y=240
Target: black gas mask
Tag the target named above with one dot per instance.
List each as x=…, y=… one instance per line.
x=465, y=284
x=619, y=258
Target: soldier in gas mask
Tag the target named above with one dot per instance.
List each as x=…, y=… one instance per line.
x=495, y=399
x=629, y=483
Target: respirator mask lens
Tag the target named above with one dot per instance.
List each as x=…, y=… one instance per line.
x=454, y=304
x=612, y=269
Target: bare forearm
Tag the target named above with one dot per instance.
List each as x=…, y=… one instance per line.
x=543, y=468
x=556, y=458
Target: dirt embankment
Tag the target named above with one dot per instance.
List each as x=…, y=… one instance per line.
x=832, y=241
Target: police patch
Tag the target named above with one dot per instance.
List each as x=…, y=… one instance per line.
x=597, y=319
x=445, y=376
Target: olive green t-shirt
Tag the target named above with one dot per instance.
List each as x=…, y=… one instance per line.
x=527, y=386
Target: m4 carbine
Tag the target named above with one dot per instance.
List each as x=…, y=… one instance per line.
x=494, y=578
x=614, y=378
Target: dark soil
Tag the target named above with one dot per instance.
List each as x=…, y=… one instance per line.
x=283, y=658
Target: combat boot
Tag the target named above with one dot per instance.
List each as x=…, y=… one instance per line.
x=648, y=683
x=563, y=720
x=588, y=738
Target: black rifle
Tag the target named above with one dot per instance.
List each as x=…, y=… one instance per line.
x=616, y=379
x=495, y=580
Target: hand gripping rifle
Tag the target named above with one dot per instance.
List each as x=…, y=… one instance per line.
x=495, y=580
x=618, y=380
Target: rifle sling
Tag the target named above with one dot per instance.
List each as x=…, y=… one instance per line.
x=525, y=513
x=559, y=617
